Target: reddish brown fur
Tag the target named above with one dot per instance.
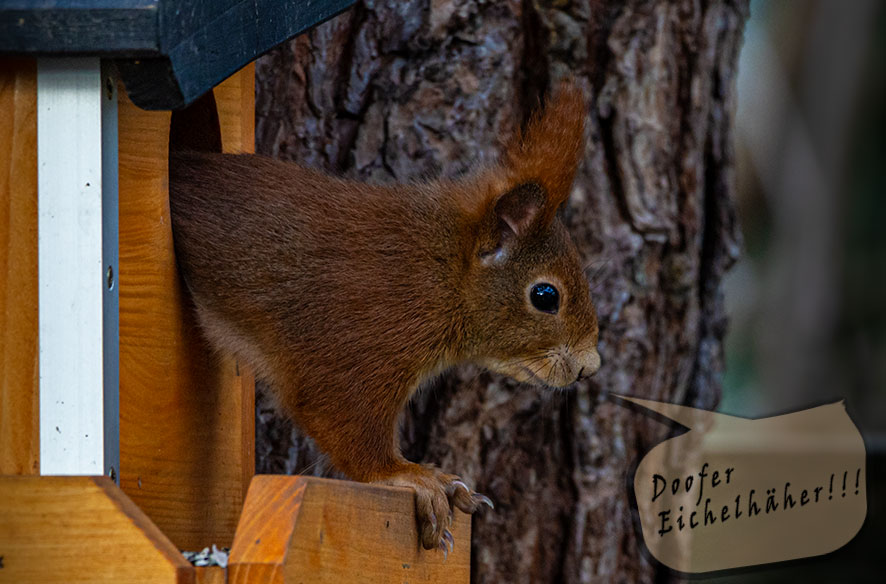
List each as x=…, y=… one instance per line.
x=553, y=134
x=345, y=297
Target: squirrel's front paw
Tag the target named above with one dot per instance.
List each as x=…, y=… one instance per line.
x=436, y=495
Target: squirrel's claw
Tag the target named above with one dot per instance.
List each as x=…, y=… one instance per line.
x=447, y=537
x=461, y=496
x=437, y=495
x=458, y=483
x=483, y=500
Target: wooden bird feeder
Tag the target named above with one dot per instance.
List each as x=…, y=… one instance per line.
x=123, y=438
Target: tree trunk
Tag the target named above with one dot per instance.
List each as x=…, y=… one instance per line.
x=400, y=90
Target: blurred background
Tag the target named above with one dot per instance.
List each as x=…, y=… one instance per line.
x=807, y=302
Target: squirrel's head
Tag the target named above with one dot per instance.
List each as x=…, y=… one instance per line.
x=529, y=311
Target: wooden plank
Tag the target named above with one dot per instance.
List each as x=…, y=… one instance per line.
x=235, y=102
x=19, y=422
x=299, y=529
x=235, y=99
x=211, y=575
x=81, y=529
x=186, y=416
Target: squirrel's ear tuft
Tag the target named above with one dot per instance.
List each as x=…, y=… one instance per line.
x=547, y=152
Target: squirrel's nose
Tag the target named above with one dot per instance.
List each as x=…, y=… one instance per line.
x=588, y=371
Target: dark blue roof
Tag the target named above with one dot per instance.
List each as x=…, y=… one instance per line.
x=169, y=52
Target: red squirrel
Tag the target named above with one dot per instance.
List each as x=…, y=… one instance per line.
x=345, y=297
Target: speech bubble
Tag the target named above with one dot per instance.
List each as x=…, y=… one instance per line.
x=734, y=492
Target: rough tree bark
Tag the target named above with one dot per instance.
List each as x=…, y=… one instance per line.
x=400, y=90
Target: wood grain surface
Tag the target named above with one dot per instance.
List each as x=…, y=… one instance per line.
x=186, y=414
x=211, y=575
x=307, y=529
x=81, y=529
x=19, y=403
x=235, y=100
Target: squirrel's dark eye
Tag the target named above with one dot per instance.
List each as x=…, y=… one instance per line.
x=545, y=298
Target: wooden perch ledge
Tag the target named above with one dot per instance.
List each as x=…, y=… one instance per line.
x=304, y=529
x=292, y=529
